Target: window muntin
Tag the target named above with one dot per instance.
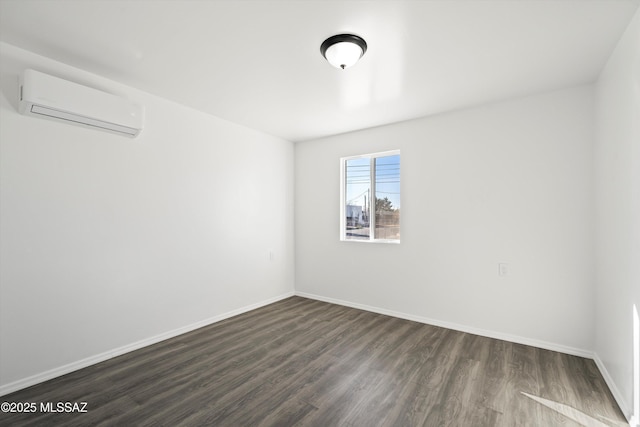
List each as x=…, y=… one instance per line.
x=364, y=218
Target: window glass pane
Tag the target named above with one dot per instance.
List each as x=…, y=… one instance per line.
x=387, y=208
x=358, y=198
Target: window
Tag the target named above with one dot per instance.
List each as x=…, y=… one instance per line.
x=367, y=218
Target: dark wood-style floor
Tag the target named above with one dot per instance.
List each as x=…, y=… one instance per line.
x=309, y=363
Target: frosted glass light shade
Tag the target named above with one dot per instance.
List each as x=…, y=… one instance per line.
x=343, y=50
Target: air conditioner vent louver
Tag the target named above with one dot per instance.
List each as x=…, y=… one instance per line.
x=50, y=97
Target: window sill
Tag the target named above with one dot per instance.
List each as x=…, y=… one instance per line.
x=383, y=241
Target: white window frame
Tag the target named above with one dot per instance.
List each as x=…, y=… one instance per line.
x=343, y=195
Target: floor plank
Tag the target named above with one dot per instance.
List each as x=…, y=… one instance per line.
x=309, y=363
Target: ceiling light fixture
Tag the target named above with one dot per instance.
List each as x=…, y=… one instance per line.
x=343, y=50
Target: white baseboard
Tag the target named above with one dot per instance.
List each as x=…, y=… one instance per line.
x=622, y=403
x=74, y=366
x=462, y=328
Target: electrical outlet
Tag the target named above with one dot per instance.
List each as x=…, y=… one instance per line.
x=503, y=269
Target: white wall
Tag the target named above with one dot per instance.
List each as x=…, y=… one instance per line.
x=618, y=211
x=107, y=241
x=509, y=182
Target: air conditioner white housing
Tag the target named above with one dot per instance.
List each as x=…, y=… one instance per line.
x=50, y=97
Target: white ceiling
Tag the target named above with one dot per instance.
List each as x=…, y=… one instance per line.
x=258, y=63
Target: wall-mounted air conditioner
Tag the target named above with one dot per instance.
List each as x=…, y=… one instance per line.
x=50, y=97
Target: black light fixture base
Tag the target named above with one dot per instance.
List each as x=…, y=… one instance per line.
x=340, y=38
